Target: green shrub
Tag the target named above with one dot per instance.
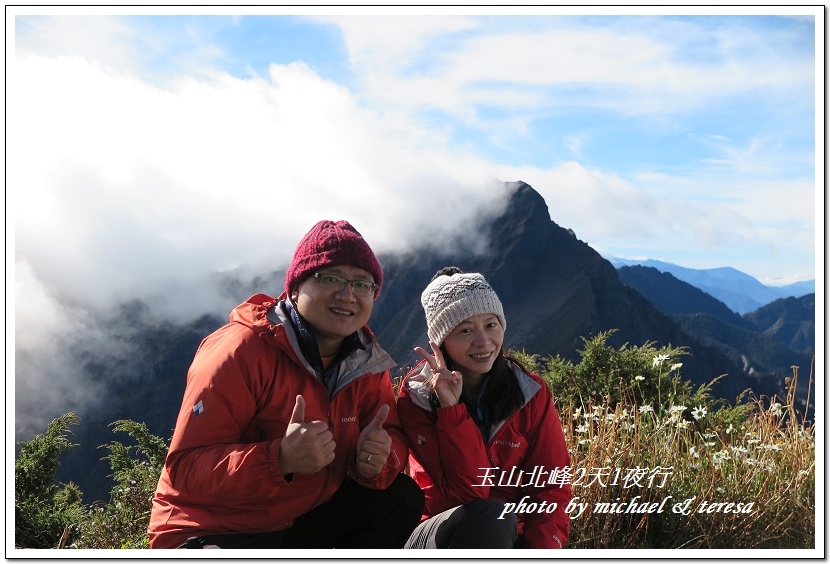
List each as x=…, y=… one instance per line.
x=122, y=523
x=43, y=510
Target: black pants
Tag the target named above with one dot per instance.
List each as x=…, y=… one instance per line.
x=355, y=517
x=475, y=524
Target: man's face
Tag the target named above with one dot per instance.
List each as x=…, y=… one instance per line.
x=333, y=315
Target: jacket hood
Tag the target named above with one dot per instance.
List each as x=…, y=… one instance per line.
x=253, y=313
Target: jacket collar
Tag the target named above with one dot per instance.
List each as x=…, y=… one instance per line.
x=308, y=342
x=418, y=389
x=359, y=354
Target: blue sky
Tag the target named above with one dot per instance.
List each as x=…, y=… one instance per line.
x=149, y=150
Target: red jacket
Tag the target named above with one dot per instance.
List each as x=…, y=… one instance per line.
x=453, y=465
x=222, y=472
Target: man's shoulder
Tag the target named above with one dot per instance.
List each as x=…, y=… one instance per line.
x=249, y=326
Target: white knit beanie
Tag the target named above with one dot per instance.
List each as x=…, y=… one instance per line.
x=449, y=300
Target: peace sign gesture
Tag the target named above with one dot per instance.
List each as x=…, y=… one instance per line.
x=445, y=383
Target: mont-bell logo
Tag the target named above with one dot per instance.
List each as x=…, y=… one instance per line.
x=508, y=443
x=351, y=419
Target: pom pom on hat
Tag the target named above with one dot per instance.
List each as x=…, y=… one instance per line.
x=331, y=243
x=451, y=298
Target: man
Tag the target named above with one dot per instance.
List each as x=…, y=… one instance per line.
x=288, y=435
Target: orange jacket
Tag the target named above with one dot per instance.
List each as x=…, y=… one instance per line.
x=524, y=461
x=222, y=472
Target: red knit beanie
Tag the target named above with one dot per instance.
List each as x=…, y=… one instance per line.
x=331, y=243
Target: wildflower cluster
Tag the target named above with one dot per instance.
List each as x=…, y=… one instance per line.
x=758, y=454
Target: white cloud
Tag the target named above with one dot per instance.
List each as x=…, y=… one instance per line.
x=116, y=181
x=104, y=39
x=48, y=376
x=632, y=66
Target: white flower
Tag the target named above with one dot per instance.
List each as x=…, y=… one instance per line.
x=772, y=447
x=699, y=413
x=675, y=366
x=775, y=409
x=693, y=451
x=719, y=457
x=730, y=429
x=645, y=409
x=659, y=359
x=585, y=441
x=582, y=429
x=639, y=378
x=739, y=450
x=577, y=412
x=676, y=412
x=683, y=424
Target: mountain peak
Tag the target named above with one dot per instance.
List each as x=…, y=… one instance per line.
x=523, y=201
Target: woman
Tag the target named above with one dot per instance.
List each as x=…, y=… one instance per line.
x=486, y=443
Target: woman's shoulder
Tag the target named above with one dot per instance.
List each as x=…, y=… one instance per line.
x=530, y=383
x=414, y=387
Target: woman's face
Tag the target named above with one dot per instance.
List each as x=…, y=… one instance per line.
x=475, y=343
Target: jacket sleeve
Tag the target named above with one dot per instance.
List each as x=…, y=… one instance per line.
x=450, y=448
x=207, y=456
x=378, y=394
x=549, y=454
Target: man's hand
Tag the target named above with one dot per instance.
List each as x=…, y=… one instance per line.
x=306, y=447
x=373, y=445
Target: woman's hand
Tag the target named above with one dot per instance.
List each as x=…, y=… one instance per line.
x=445, y=383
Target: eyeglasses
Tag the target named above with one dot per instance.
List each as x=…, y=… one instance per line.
x=336, y=283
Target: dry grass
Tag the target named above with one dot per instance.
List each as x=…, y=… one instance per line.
x=767, y=460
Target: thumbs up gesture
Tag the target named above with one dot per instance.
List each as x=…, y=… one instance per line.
x=373, y=445
x=306, y=447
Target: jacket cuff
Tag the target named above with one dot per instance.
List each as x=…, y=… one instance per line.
x=455, y=412
x=274, y=464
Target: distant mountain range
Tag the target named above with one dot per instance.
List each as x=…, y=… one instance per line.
x=770, y=340
x=556, y=290
x=739, y=291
